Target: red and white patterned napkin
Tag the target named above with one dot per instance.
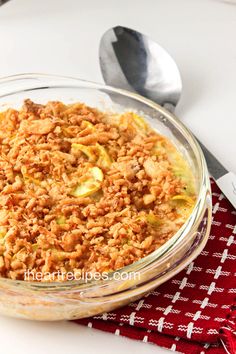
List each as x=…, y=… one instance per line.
x=195, y=311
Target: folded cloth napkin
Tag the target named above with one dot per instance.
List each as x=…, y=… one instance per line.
x=195, y=311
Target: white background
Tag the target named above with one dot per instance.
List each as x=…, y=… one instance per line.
x=62, y=37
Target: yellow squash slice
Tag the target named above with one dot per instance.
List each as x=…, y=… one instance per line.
x=95, y=153
x=3, y=232
x=133, y=119
x=183, y=198
x=86, y=124
x=153, y=220
x=61, y=220
x=104, y=159
x=140, y=122
x=91, y=185
x=87, y=150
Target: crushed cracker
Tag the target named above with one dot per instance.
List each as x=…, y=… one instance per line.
x=59, y=213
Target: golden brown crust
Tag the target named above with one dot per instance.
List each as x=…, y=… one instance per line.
x=44, y=227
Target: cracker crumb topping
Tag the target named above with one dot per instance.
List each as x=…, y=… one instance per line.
x=85, y=190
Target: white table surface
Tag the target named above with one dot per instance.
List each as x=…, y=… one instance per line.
x=62, y=37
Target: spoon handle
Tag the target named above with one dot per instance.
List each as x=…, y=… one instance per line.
x=227, y=184
x=225, y=180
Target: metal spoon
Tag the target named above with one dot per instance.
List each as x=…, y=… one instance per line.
x=132, y=61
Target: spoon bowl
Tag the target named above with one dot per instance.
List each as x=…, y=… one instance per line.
x=131, y=60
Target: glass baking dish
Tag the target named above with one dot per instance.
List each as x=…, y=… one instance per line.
x=78, y=299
